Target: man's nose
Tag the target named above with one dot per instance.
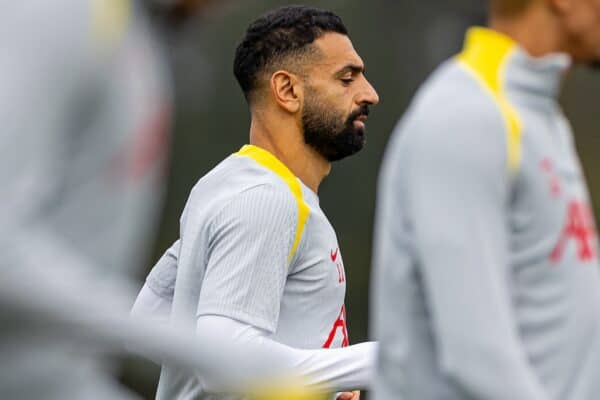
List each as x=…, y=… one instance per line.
x=368, y=94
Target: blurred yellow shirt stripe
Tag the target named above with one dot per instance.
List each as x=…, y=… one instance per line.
x=485, y=55
x=110, y=19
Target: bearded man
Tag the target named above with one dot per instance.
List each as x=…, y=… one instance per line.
x=257, y=260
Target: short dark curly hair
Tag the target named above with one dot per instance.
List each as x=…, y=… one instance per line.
x=278, y=38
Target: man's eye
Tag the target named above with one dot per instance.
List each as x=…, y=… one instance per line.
x=347, y=81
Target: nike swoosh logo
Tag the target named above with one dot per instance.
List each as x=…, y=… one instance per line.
x=333, y=255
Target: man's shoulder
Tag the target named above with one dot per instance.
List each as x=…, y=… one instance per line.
x=237, y=179
x=452, y=106
x=452, y=92
x=237, y=174
x=453, y=118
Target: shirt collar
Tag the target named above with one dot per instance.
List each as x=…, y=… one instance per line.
x=497, y=53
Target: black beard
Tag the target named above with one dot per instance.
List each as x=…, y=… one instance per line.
x=330, y=138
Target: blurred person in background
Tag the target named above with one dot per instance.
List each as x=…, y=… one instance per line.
x=258, y=262
x=486, y=279
x=85, y=108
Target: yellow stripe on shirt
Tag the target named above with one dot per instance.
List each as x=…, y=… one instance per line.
x=271, y=162
x=485, y=55
x=110, y=19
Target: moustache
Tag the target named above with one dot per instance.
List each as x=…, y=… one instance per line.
x=359, y=112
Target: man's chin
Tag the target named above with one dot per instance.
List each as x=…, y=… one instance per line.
x=349, y=148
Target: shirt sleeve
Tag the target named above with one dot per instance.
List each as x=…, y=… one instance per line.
x=150, y=305
x=155, y=299
x=347, y=368
x=446, y=179
x=247, y=261
x=163, y=275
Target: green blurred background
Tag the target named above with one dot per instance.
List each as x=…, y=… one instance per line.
x=401, y=42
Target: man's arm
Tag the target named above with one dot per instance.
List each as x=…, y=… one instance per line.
x=330, y=369
x=326, y=369
x=448, y=175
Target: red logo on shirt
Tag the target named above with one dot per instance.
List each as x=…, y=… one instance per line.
x=579, y=227
x=333, y=254
x=338, y=326
x=338, y=265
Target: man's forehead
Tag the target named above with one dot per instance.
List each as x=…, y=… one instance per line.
x=337, y=51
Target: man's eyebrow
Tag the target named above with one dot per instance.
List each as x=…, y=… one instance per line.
x=354, y=68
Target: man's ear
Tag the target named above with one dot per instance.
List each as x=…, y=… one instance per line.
x=287, y=90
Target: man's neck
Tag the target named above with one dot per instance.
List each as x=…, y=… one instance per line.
x=535, y=30
x=289, y=147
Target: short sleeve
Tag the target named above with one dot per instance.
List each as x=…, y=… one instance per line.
x=247, y=261
x=163, y=275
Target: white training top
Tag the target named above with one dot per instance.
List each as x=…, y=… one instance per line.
x=486, y=278
x=255, y=247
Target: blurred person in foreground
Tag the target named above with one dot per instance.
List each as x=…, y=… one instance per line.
x=85, y=108
x=257, y=261
x=486, y=280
